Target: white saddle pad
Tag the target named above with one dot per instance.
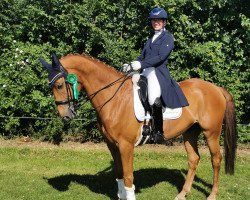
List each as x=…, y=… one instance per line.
x=168, y=113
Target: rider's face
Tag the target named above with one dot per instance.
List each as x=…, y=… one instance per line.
x=157, y=24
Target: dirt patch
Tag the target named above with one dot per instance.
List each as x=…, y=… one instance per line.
x=25, y=142
x=28, y=143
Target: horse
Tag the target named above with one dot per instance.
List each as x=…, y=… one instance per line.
x=111, y=94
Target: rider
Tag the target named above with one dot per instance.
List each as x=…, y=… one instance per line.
x=162, y=89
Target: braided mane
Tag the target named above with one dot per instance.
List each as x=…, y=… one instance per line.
x=91, y=58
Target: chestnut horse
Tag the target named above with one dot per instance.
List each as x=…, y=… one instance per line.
x=111, y=94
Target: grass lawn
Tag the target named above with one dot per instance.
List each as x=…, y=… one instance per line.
x=37, y=171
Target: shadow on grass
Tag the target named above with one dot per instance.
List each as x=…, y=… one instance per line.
x=104, y=183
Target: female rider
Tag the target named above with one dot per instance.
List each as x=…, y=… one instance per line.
x=162, y=89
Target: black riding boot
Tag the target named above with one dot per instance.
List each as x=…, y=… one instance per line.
x=157, y=123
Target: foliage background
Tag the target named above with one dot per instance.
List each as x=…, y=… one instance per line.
x=211, y=42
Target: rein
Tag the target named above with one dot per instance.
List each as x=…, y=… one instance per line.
x=91, y=96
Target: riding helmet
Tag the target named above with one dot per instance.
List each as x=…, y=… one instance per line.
x=158, y=13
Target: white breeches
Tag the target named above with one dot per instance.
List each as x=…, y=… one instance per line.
x=154, y=89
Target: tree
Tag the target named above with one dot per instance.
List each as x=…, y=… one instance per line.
x=211, y=42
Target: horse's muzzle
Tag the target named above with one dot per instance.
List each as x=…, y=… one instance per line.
x=70, y=113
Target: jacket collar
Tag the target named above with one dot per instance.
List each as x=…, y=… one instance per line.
x=158, y=38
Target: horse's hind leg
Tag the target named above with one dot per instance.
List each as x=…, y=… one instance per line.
x=213, y=138
x=190, y=142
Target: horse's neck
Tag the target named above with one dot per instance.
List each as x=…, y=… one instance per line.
x=94, y=76
x=97, y=75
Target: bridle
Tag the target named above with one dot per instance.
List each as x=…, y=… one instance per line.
x=72, y=92
x=70, y=96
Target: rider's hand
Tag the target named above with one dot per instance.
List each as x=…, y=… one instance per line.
x=136, y=65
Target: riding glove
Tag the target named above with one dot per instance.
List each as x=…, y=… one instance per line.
x=126, y=67
x=136, y=65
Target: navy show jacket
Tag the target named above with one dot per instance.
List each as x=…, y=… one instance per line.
x=156, y=55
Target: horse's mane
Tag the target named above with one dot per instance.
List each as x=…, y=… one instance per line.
x=91, y=58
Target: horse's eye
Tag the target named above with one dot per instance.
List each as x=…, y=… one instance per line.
x=59, y=87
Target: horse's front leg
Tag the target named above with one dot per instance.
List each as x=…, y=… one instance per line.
x=117, y=169
x=127, y=157
x=115, y=152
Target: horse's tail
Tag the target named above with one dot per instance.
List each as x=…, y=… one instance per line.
x=230, y=132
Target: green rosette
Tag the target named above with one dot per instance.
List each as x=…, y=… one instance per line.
x=72, y=79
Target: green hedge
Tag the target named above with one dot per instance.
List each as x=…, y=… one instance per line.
x=211, y=42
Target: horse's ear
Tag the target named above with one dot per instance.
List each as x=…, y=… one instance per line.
x=45, y=64
x=55, y=61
